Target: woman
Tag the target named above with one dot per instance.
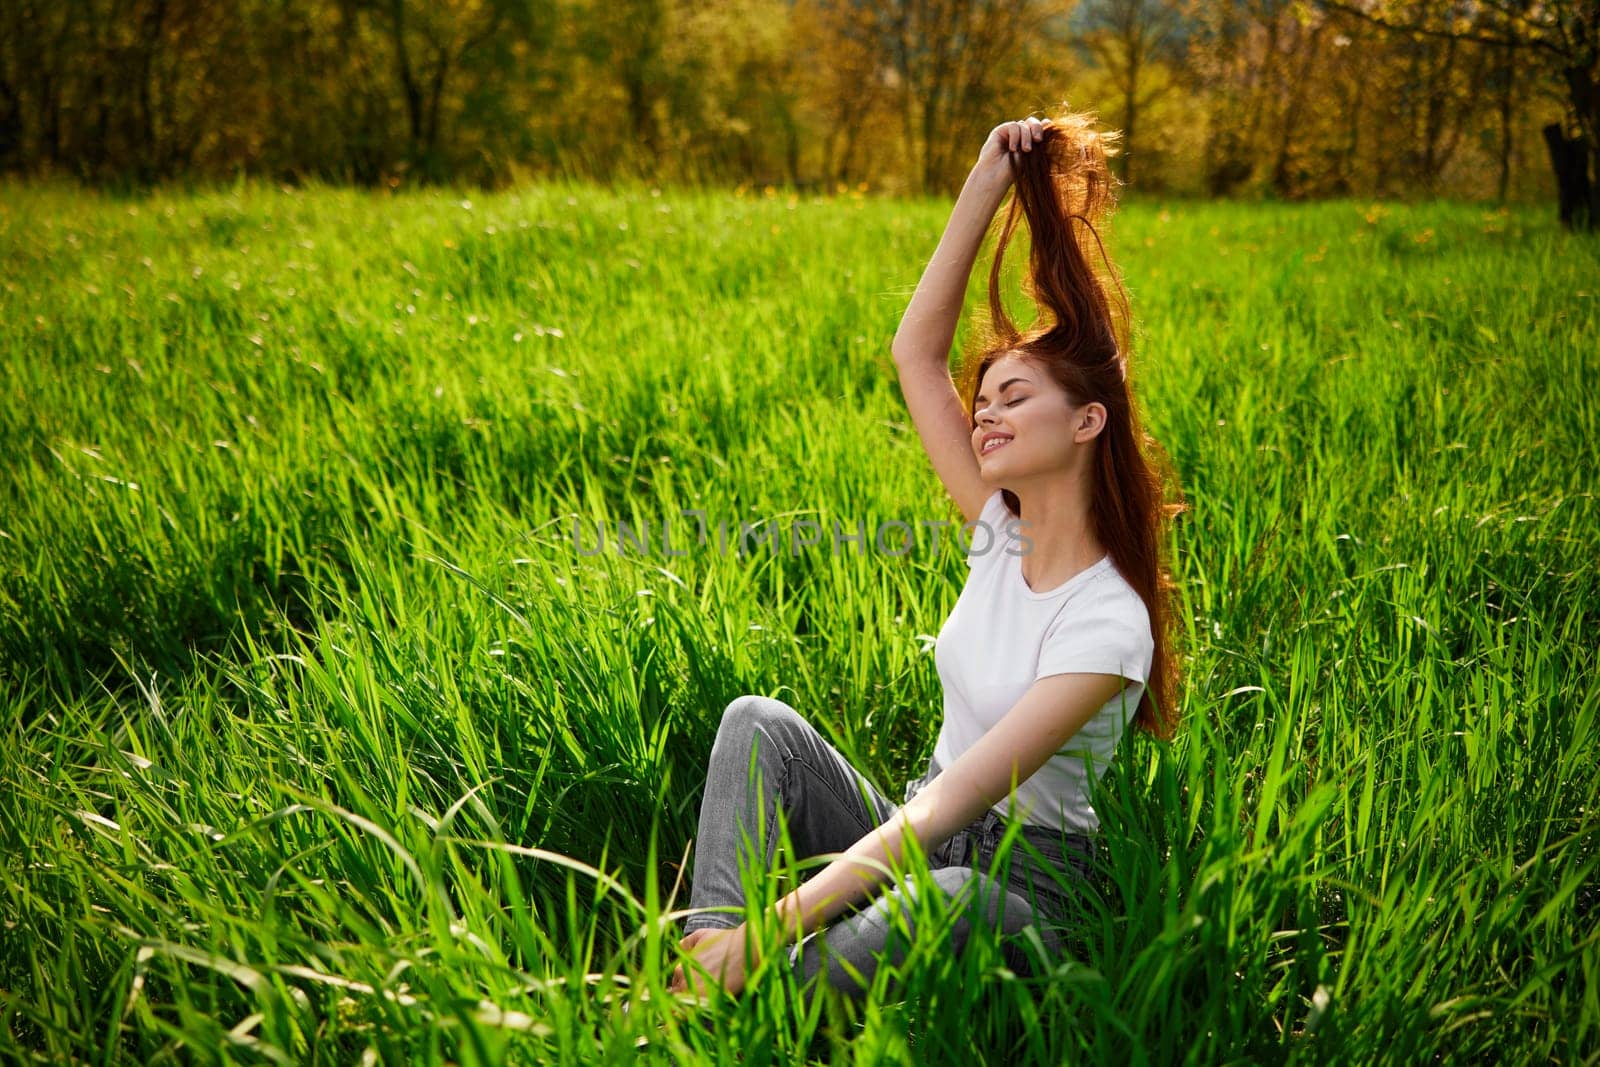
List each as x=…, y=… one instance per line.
x=1057, y=641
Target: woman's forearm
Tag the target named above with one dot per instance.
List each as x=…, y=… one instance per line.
x=852, y=878
x=929, y=323
x=868, y=864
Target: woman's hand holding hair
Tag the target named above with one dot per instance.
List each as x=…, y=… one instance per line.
x=1006, y=143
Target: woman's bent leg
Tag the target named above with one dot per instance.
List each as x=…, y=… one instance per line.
x=827, y=804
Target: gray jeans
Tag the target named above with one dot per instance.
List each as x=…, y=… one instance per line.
x=767, y=757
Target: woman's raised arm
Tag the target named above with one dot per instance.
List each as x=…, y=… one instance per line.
x=922, y=343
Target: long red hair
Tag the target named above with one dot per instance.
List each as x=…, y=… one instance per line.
x=1067, y=192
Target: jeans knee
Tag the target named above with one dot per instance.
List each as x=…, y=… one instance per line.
x=953, y=880
x=744, y=713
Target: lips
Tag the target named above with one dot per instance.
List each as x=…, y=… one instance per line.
x=997, y=439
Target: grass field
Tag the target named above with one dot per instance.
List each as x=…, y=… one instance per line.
x=324, y=739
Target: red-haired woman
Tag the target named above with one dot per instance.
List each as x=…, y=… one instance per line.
x=1059, y=639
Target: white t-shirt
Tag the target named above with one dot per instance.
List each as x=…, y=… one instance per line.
x=1002, y=636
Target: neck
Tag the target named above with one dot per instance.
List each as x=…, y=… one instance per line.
x=1055, y=517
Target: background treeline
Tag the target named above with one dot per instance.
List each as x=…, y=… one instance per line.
x=1238, y=96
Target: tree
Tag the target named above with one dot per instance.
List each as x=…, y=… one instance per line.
x=1237, y=50
x=430, y=42
x=850, y=87
x=1563, y=38
x=1128, y=37
x=951, y=61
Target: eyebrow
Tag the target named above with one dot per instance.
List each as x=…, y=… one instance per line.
x=1005, y=385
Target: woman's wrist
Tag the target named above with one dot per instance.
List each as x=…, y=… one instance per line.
x=992, y=179
x=985, y=190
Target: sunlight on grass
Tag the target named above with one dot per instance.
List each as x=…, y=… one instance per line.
x=324, y=741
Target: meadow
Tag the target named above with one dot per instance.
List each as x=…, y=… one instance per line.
x=326, y=740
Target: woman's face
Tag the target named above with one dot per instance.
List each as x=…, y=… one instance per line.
x=1034, y=426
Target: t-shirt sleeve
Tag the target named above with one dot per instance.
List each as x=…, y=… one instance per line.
x=1105, y=638
x=985, y=537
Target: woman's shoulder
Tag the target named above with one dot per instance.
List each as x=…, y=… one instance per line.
x=1114, y=596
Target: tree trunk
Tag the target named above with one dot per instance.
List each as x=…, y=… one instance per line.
x=641, y=105
x=1346, y=180
x=1130, y=110
x=50, y=106
x=430, y=131
x=147, y=154
x=1444, y=125
x=11, y=148
x=1285, y=183
x=408, y=80
x=1585, y=96
x=939, y=37
x=852, y=131
x=1569, y=156
x=1508, y=81
x=791, y=147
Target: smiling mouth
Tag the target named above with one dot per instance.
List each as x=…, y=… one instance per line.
x=997, y=443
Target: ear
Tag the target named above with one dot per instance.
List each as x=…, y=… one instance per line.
x=1091, y=420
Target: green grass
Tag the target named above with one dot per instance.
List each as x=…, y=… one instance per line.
x=323, y=740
